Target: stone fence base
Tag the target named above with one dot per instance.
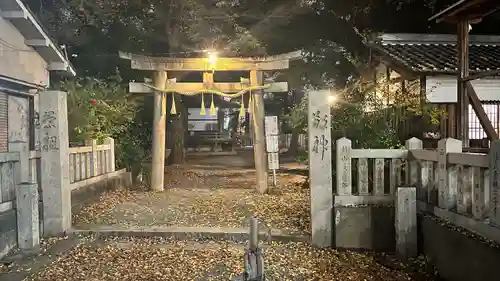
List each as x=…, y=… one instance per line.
x=364, y=227
x=456, y=255
x=85, y=195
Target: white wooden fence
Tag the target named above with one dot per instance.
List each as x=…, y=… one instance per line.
x=285, y=140
x=92, y=160
x=461, y=188
x=85, y=162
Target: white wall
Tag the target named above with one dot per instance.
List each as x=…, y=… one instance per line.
x=194, y=113
x=201, y=121
x=443, y=89
x=19, y=61
x=197, y=122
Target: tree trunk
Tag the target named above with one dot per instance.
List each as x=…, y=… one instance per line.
x=293, y=148
x=234, y=128
x=177, y=155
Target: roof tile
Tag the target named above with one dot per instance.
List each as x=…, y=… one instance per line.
x=439, y=57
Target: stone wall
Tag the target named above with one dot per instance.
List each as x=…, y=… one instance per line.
x=365, y=227
x=456, y=255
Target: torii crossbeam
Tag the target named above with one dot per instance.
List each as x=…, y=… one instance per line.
x=208, y=66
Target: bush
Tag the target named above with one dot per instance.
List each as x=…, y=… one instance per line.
x=98, y=109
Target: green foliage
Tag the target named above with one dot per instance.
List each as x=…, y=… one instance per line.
x=302, y=157
x=364, y=129
x=97, y=109
x=373, y=115
x=297, y=117
x=134, y=146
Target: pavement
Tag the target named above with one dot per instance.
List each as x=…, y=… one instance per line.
x=215, y=191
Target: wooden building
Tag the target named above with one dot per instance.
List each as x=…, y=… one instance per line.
x=429, y=61
x=458, y=73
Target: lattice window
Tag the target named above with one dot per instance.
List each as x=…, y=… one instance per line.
x=475, y=129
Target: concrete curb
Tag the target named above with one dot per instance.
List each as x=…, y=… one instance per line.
x=234, y=234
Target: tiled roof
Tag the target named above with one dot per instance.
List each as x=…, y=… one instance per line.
x=437, y=53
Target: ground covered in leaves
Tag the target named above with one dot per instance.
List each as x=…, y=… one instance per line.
x=217, y=191
x=137, y=259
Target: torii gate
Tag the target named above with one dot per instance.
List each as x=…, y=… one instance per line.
x=163, y=85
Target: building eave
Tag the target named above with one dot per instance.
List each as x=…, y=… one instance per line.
x=35, y=36
x=473, y=10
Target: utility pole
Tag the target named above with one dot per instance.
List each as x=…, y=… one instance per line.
x=259, y=142
x=159, y=127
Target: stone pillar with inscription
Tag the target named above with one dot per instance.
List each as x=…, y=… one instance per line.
x=320, y=168
x=54, y=150
x=494, y=190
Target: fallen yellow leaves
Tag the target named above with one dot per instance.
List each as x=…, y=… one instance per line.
x=212, y=192
x=165, y=259
x=206, y=196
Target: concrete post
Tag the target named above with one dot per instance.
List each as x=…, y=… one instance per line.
x=259, y=145
x=54, y=146
x=111, y=156
x=159, y=127
x=28, y=225
x=320, y=169
x=412, y=170
x=413, y=167
x=94, y=168
x=406, y=222
x=448, y=176
x=344, y=162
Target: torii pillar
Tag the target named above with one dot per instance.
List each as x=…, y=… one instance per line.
x=259, y=140
x=159, y=128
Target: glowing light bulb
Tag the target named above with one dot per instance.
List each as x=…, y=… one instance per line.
x=332, y=99
x=212, y=58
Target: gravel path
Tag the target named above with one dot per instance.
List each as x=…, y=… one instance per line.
x=206, y=192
